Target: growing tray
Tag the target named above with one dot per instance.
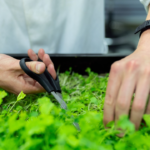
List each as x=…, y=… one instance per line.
x=79, y=62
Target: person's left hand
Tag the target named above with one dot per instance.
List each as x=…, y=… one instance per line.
x=129, y=75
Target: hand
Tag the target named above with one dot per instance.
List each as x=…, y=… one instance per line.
x=14, y=80
x=129, y=75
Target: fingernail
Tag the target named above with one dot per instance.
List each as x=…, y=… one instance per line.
x=38, y=68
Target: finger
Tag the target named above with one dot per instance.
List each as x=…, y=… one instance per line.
x=37, y=67
x=48, y=62
x=32, y=55
x=30, y=86
x=124, y=99
x=126, y=89
x=29, y=80
x=141, y=95
x=52, y=71
x=44, y=57
x=33, y=86
x=26, y=76
x=37, y=88
x=125, y=95
x=111, y=93
x=50, y=65
x=23, y=83
x=41, y=53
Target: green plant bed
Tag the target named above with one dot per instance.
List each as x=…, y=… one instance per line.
x=36, y=122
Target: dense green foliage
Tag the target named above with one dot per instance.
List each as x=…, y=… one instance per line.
x=35, y=121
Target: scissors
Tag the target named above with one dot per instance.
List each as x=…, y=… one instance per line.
x=48, y=83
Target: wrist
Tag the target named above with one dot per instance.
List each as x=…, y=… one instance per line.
x=145, y=34
x=144, y=42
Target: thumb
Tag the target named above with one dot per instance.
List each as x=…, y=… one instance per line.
x=36, y=67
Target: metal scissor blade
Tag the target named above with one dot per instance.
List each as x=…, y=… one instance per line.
x=59, y=94
x=60, y=101
x=76, y=125
x=63, y=105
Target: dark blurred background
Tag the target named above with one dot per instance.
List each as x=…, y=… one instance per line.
x=121, y=19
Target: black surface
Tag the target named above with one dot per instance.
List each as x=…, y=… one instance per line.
x=79, y=62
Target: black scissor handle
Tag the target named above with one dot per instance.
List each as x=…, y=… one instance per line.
x=45, y=79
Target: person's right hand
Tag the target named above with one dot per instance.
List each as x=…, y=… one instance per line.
x=14, y=80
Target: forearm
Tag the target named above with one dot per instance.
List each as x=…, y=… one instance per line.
x=144, y=42
x=148, y=15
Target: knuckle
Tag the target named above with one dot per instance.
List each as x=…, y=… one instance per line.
x=138, y=107
x=115, y=67
x=108, y=102
x=132, y=65
x=146, y=71
x=109, y=99
x=121, y=105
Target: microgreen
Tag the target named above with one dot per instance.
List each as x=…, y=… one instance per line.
x=36, y=122
x=21, y=96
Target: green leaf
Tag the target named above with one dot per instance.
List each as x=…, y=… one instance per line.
x=125, y=124
x=88, y=70
x=45, y=105
x=94, y=100
x=21, y=96
x=74, y=142
x=3, y=94
x=18, y=108
x=34, y=114
x=146, y=118
x=110, y=124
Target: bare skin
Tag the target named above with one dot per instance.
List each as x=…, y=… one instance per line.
x=13, y=79
x=127, y=76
